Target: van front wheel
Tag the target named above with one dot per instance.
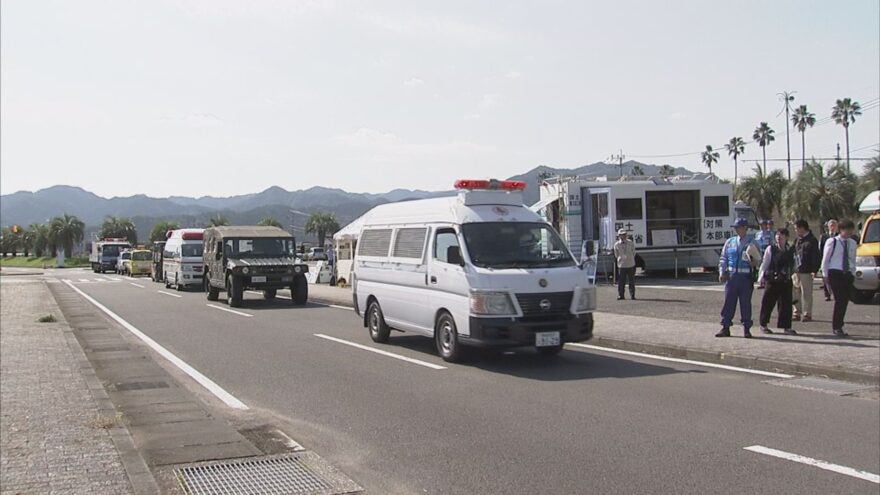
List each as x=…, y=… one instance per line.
x=379, y=330
x=446, y=339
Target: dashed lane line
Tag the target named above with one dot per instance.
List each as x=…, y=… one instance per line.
x=229, y=399
x=169, y=294
x=221, y=308
x=384, y=353
x=136, y=285
x=848, y=471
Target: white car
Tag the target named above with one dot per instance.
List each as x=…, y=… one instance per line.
x=120, y=261
x=317, y=254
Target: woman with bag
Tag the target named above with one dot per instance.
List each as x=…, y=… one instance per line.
x=776, y=272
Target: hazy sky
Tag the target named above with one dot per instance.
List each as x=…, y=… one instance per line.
x=212, y=97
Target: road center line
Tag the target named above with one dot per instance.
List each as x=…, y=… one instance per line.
x=682, y=361
x=384, y=353
x=136, y=285
x=221, y=308
x=203, y=380
x=168, y=293
x=855, y=473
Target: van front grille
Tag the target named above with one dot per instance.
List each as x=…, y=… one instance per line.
x=545, y=303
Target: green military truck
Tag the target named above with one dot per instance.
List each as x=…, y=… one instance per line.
x=252, y=257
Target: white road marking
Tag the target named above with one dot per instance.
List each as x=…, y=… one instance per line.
x=168, y=293
x=290, y=443
x=682, y=361
x=67, y=280
x=85, y=280
x=221, y=308
x=384, y=353
x=136, y=285
x=102, y=280
x=206, y=382
x=855, y=473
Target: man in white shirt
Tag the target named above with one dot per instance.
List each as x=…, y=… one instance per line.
x=838, y=268
x=625, y=255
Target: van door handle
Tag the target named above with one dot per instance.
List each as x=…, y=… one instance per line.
x=433, y=279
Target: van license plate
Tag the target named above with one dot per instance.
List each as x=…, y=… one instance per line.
x=257, y=280
x=546, y=339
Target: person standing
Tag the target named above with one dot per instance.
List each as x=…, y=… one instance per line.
x=736, y=266
x=625, y=254
x=807, y=259
x=838, y=268
x=831, y=225
x=765, y=237
x=777, y=269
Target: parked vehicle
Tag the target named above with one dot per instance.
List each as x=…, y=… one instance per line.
x=138, y=264
x=105, y=254
x=316, y=254
x=182, y=261
x=475, y=269
x=252, y=257
x=157, y=273
x=677, y=222
x=122, y=260
x=867, y=281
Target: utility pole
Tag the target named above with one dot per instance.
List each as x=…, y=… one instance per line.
x=787, y=97
x=619, y=159
x=838, y=152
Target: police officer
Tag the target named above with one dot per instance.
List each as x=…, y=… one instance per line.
x=739, y=259
x=625, y=256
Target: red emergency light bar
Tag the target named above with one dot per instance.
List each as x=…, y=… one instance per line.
x=192, y=236
x=491, y=184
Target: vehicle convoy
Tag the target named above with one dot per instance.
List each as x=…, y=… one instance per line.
x=182, y=263
x=867, y=281
x=105, y=254
x=137, y=262
x=476, y=269
x=156, y=272
x=676, y=222
x=252, y=257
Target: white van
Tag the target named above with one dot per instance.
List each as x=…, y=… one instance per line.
x=182, y=260
x=478, y=268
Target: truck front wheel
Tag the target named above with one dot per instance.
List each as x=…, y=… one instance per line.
x=233, y=291
x=213, y=294
x=299, y=291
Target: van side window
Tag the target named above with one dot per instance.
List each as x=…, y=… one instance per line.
x=375, y=242
x=167, y=252
x=443, y=240
x=409, y=243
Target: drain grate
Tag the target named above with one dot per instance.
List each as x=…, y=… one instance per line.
x=282, y=474
x=826, y=385
x=129, y=386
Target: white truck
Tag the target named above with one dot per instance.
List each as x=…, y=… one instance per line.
x=105, y=253
x=676, y=222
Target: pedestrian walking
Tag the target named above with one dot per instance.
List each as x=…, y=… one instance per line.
x=807, y=258
x=831, y=226
x=736, y=268
x=776, y=271
x=838, y=268
x=625, y=254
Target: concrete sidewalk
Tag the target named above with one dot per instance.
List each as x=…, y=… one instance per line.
x=853, y=359
x=54, y=438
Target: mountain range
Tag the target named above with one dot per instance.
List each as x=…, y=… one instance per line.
x=290, y=207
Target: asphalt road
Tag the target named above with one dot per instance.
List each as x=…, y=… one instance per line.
x=584, y=422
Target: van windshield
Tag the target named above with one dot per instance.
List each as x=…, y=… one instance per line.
x=191, y=250
x=140, y=255
x=872, y=233
x=515, y=245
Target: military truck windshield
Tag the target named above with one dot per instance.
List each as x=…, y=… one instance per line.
x=191, y=250
x=515, y=245
x=260, y=247
x=111, y=251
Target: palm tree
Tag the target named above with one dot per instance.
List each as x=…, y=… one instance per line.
x=870, y=179
x=666, y=171
x=735, y=147
x=709, y=157
x=119, y=228
x=67, y=230
x=802, y=119
x=41, y=238
x=844, y=113
x=322, y=224
x=160, y=230
x=817, y=195
x=637, y=170
x=270, y=222
x=763, y=192
x=764, y=136
x=218, y=220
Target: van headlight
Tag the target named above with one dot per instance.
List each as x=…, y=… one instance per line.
x=866, y=261
x=492, y=303
x=585, y=300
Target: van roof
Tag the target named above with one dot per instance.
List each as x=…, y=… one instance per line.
x=466, y=207
x=247, y=231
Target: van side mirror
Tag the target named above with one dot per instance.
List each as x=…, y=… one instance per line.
x=453, y=256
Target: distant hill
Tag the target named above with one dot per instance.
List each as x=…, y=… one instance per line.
x=24, y=208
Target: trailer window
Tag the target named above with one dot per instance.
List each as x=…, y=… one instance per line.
x=409, y=243
x=375, y=242
x=716, y=206
x=629, y=209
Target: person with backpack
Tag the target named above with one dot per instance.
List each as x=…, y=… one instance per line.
x=776, y=271
x=737, y=269
x=807, y=259
x=838, y=268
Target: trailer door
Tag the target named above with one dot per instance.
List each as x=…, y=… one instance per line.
x=595, y=217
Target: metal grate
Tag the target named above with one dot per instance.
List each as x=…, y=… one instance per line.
x=288, y=474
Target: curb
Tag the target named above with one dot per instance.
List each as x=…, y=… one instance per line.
x=740, y=361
